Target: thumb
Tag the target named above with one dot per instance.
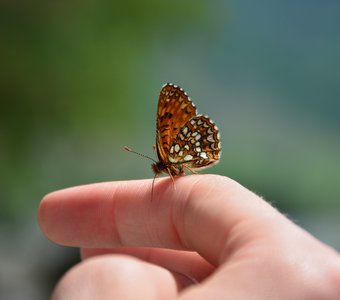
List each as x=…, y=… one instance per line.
x=116, y=277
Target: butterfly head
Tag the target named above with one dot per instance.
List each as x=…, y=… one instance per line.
x=158, y=168
x=170, y=169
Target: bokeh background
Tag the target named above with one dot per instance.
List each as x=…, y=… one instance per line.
x=81, y=79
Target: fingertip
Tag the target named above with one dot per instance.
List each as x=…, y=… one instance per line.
x=82, y=215
x=42, y=212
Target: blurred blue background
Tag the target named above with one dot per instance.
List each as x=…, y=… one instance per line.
x=79, y=80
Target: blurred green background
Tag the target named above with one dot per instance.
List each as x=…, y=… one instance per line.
x=81, y=79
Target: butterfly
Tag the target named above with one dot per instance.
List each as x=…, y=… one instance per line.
x=185, y=140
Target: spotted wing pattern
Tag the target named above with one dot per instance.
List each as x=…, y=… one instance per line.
x=184, y=140
x=197, y=145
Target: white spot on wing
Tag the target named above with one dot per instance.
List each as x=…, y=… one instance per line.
x=203, y=155
x=210, y=138
x=171, y=159
x=188, y=157
x=197, y=137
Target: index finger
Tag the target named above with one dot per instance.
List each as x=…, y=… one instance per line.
x=200, y=214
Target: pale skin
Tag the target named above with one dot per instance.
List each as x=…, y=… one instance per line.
x=210, y=228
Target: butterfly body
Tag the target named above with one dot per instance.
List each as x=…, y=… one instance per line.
x=170, y=168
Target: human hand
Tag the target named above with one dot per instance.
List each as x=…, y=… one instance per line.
x=209, y=229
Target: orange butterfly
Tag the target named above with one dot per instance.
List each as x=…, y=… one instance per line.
x=184, y=139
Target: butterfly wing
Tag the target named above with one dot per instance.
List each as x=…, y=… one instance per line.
x=174, y=110
x=197, y=144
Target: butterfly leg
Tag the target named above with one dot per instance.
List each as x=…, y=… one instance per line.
x=191, y=170
x=172, y=178
x=153, y=184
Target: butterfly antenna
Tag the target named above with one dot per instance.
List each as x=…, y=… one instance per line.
x=140, y=154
